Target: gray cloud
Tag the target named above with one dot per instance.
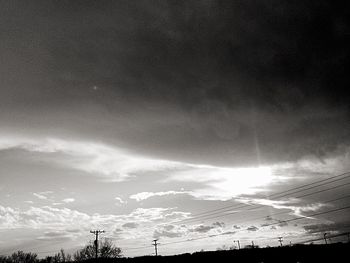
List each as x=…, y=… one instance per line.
x=59, y=235
x=219, y=224
x=202, y=229
x=130, y=225
x=282, y=223
x=331, y=227
x=169, y=231
x=208, y=80
x=252, y=228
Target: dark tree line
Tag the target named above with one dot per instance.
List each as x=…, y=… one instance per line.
x=106, y=250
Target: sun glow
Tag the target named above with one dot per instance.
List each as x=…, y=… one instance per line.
x=225, y=183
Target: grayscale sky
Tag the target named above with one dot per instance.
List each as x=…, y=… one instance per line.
x=134, y=116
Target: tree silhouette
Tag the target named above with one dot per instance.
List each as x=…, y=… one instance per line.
x=106, y=250
x=109, y=250
x=21, y=257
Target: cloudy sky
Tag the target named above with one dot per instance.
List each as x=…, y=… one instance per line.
x=172, y=120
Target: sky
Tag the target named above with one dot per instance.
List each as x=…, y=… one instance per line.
x=172, y=120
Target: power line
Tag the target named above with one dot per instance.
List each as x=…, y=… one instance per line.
x=279, y=193
x=283, y=212
x=228, y=208
x=322, y=238
x=226, y=233
x=219, y=214
x=136, y=248
x=289, y=220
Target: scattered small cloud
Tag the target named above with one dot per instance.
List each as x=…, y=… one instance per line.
x=326, y=227
x=293, y=204
x=119, y=201
x=145, y=195
x=57, y=235
x=252, y=228
x=68, y=200
x=163, y=233
x=202, y=229
x=45, y=195
x=268, y=218
x=170, y=231
x=40, y=196
x=282, y=223
x=219, y=224
x=130, y=225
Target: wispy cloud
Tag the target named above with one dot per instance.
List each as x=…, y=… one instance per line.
x=130, y=225
x=224, y=183
x=145, y=195
x=43, y=195
x=119, y=200
x=294, y=205
x=252, y=228
x=112, y=163
x=68, y=200
x=115, y=164
x=57, y=219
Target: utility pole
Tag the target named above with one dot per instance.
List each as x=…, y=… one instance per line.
x=239, y=245
x=96, y=233
x=280, y=239
x=253, y=246
x=155, y=244
x=325, y=238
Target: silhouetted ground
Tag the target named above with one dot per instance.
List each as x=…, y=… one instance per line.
x=299, y=253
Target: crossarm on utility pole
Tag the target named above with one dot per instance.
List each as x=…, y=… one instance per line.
x=96, y=233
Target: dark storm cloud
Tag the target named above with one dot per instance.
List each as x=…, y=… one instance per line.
x=205, y=81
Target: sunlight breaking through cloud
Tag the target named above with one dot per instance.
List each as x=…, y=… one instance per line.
x=115, y=164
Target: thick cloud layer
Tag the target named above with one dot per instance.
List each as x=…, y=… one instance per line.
x=218, y=82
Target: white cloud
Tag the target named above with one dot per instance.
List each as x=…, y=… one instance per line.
x=40, y=196
x=145, y=195
x=119, y=201
x=61, y=219
x=292, y=204
x=223, y=183
x=95, y=158
x=68, y=200
x=115, y=164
